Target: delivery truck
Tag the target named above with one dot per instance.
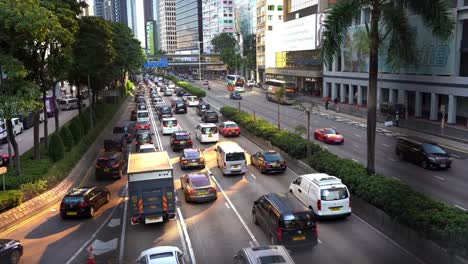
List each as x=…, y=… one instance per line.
x=150, y=187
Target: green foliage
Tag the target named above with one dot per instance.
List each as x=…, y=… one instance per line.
x=56, y=147
x=250, y=51
x=32, y=189
x=85, y=120
x=76, y=129
x=10, y=199
x=197, y=91
x=223, y=41
x=441, y=223
x=67, y=138
x=129, y=87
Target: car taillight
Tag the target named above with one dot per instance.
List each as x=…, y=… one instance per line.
x=266, y=165
x=165, y=125
x=284, y=163
x=184, y=161
x=315, y=229
x=135, y=220
x=97, y=166
x=62, y=206
x=280, y=234
x=349, y=203
x=192, y=191
x=202, y=159
x=83, y=205
x=151, y=142
x=319, y=205
x=189, y=141
x=176, y=141
x=212, y=190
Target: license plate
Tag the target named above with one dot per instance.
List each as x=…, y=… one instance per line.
x=298, y=238
x=72, y=213
x=442, y=165
x=182, y=142
x=193, y=163
x=276, y=165
x=202, y=192
x=235, y=166
x=106, y=170
x=210, y=135
x=335, y=209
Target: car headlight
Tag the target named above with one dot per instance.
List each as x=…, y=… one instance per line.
x=431, y=158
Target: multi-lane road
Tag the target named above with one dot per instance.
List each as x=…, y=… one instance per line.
x=207, y=232
x=447, y=185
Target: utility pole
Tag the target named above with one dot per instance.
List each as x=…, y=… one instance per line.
x=199, y=60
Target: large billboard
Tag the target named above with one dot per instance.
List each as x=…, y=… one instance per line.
x=297, y=34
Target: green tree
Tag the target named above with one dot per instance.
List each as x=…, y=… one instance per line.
x=67, y=138
x=250, y=53
x=387, y=30
x=56, y=148
x=76, y=128
x=225, y=44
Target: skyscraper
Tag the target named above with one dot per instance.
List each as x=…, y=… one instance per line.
x=189, y=26
x=218, y=17
x=136, y=20
x=167, y=25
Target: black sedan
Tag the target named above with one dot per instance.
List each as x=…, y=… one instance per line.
x=268, y=161
x=10, y=251
x=143, y=137
x=84, y=201
x=192, y=158
x=235, y=96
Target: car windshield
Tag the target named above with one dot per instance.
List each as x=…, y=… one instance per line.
x=170, y=123
x=165, y=110
x=199, y=180
x=272, y=259
x=180, y=104
x=329, y=131
x=433, y=149
x=298, y=220
x=106, y=162
x=333, y=194
x=237, y=156
x=143, y=114
x=209, y=130
x=142, y=107
x=73, y=199
x=192, y=154
x=272, y=156
x=231, y=125
x=144, y=136
x=119, y=130
x=164, y=255
x=146, y=149
x=211, y=114
x=182, y=137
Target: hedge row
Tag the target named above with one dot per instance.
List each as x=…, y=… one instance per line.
x=434, y=220
x=40, y=175
x=197, y=91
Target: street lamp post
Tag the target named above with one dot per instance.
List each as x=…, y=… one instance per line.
x=199, y=60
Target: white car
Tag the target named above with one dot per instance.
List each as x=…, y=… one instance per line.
x=147, y=148
x=325, y=194
x=171, y=86
x=169, y=125
x=3, y=132
x=167, y=92
x=17, y=126
x=143, y=115
x=162, y=254
x=207, y=132
x=192, y=100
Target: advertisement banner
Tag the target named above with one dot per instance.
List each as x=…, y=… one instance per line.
x=298, y=34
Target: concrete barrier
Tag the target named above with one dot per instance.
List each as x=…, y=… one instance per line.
x=424, y=249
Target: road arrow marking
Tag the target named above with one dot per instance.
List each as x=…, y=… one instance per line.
x=114, y=222
x=101, y=247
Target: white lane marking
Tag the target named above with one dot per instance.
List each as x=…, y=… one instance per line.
x=179, y=229
x=227, y=205
x=385, y=145
x=359, y=136
x=455, y=156
x=72, y=259
x=391, y=159
x=187, y=238
x=356, y=145
x=320, y=241
x=438, y=177
x=234, y=209
x=253, y=176
x=325, y=147
x=155, y=128
x=251, y=244
x=124, y=229
x=101, y=247
x=389, y=239
x=396, y=178
x=355, y=160
x=459, y=207
x=114, y=222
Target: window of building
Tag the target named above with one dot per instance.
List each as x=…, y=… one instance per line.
x=271, y=7
x=270, y=17
x=280, y=8
x=270, y=28
x=280, y=17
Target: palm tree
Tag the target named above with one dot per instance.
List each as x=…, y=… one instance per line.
x=387, y=30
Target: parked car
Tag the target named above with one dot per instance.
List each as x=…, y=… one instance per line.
x=255, y=255
x=427, y=155
x=198, y=187
x=84, y=201
x=180, y=140
x=285, y=220
x=162, y=254
x=11, y=251
x=235, y=96
x=326, y=195
x=192, y=158
x=210, y=116
x=201, y=108
x=67, y=103
x=28, y=120
x=207, y=132
x=142, y=125
x=268, y=161
x=229, y=128
x=329, y=136
x=110, y=165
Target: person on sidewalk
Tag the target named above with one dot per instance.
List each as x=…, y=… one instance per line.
x=327, y=102
x=397, y=118
x=335, y=102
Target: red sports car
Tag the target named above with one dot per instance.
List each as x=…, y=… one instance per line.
x=328, y=135
x=142, y=125
x=229, y=128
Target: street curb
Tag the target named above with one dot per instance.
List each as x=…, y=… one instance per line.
x=421, y=248
x=39, y=203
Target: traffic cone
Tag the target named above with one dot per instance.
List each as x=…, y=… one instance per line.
x=91, y=256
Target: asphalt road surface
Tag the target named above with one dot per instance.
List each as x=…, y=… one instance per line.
x=447, y=185
x=207, y=232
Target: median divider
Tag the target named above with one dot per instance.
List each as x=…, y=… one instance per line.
x=197, y=91
x=432, y=230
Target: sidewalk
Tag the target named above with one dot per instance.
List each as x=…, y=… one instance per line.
x=454, y=137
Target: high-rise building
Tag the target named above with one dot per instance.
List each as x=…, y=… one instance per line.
x=167, y=25
x=99, y=8
x=136, y=21
x=247, y=16
x=189, y=26
x=89, y=10
x=112, y=10
x=218, y=17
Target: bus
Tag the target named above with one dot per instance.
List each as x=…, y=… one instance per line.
x=290, y=91
x=235, y=83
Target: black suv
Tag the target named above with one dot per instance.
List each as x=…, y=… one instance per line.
x=110, y=165
x=285, y=220
x=164, y=111
x=210, y=116
x=143, y=137
x=181, y=140
x=178, y=106
x=83, y=201
x=428, y=155
x=201, y=108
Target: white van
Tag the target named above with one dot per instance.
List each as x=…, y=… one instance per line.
x=143, y=115
x=169, y=125
x=207, y=132
x=3, y=132
x=326, y=195
x=67, y=103
x=231, y=158
x=192, y=100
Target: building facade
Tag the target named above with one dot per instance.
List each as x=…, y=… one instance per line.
x=437, y=85
x=218, y=17
x=167, y=25
x=247, y=16
x=189, y=26
x=99, y=8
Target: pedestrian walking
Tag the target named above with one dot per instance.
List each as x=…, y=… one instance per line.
x=327, y=102
x=397, y=118
x=335, y=102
